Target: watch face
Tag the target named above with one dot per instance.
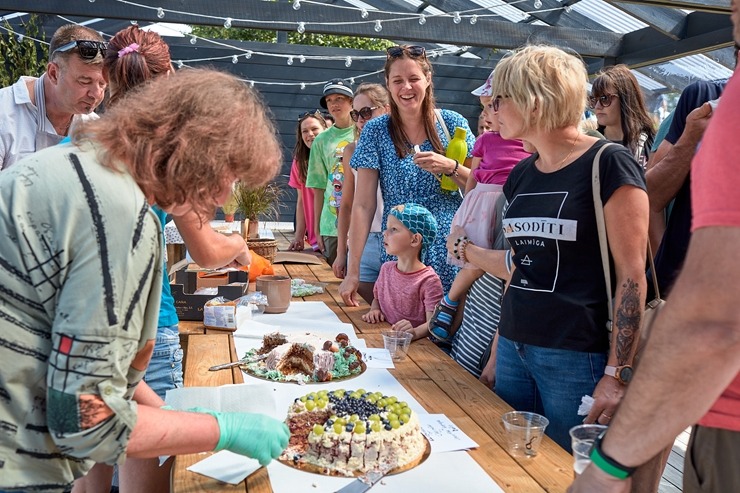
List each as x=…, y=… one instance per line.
x=625, y=374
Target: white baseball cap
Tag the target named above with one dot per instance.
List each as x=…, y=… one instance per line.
x=486, y=89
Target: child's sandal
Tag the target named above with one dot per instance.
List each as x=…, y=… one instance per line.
x=438, y=328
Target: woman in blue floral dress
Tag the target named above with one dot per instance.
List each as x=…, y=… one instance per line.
x=403, y=152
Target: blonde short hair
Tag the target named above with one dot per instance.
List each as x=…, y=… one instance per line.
x=544, y=82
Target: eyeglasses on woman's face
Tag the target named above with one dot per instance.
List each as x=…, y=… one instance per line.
x=366, y=113
x=605, y=100
x=496, y=103
x=411, y=51
x=86, y=48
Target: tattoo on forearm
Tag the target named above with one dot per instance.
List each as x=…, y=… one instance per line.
x=628, y=316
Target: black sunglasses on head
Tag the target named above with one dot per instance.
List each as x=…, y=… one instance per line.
x=86, y=48
x=411, y=51
x=314, y=113
x=366, y=113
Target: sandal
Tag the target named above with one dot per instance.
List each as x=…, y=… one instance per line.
x=438, y=328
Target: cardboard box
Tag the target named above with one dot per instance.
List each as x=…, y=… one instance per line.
x=189, y=306
x=206, y=278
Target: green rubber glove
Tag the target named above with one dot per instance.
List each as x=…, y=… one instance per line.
x=254, y=435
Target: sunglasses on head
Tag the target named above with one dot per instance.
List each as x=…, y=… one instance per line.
x=411, y=51
x=605, y=100
x=314, y=113
x=366, y=113
x=86, y=48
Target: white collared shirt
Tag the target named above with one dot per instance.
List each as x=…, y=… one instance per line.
x=19, y=123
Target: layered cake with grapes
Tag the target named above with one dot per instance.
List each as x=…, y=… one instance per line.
x=348, y=433
x=304, y=357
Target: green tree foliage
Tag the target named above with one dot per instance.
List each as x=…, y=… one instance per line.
x=24, y=56
x=312, y=39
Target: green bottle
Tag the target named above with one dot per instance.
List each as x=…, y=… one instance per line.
x=457, y=149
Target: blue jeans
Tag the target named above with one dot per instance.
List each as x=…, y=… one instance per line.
x=370, y=262
x=547, y=381
x=165, y=369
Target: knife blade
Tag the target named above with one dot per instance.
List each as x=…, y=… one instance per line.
x=363, y=483
x=237, y=363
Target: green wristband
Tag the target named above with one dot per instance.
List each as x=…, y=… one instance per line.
x=607, y=464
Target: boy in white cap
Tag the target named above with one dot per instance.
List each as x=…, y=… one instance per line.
x=325, y=167
x=407, y=290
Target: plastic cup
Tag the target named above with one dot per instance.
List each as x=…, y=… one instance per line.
x=581, y=440
x=524, y=432
x=397, y=343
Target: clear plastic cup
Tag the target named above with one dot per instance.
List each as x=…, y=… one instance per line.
x=524, y=432
x=581, y=441
x=397, y=343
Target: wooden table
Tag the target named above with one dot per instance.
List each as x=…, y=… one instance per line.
x=439, y=384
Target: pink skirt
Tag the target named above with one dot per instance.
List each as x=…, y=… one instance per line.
x=477, y=215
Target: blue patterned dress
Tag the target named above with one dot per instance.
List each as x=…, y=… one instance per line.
x=403, y=181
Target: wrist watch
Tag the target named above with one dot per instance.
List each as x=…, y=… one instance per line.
x=606, y=463
x=623, y=374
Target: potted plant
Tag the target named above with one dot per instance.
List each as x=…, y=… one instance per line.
x=257, y=202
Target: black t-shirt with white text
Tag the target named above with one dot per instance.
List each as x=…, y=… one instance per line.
x=557, y=294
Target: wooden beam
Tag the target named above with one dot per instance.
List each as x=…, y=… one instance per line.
x=263, y=15
x=711, y=6
x=671, y=22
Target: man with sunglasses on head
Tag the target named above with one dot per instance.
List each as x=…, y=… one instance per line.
x=39, y=112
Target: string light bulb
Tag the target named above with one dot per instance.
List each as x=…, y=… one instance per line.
x=364, y=13
x=538, y=4
x=227, y=23
x=251, y=83
x=296, y=4
x=92, y=1
x=378, y=26
x=160, y=13
x=20, y=38
x=303, y=86
x=348, y=62
x=193, y=40
x=234, y=59
x=422, y=19
x=248, y=54
x=180, y=64
x=301, y=27
x=134, y=23
x=456, y=18
x=568, y=8
x=290, y=60
x=473, y=19
x=302, y=59
x=352, y=81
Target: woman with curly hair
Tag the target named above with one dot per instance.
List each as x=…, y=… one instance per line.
x=81, y=285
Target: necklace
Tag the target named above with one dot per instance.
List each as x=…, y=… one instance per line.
x=565, y=159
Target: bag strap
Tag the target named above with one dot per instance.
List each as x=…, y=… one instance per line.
x=603, y=243
x=438, y=116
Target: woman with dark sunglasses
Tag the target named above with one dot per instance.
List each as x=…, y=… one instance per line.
x=310, y=124
x=619, y=106
x=403, y=152
x=553, y=345
x=371, y=100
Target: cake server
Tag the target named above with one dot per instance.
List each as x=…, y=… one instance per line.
x=363, y=483
x=237, y=363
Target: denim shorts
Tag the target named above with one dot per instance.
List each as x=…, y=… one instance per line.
x=165, y=369
x=370, y=261
x=547, y=381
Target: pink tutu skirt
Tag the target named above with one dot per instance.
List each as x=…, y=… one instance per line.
x=477, y=215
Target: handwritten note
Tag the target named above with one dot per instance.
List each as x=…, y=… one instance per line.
x=443, y=435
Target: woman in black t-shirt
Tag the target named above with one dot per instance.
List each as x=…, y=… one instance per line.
x=553, y=344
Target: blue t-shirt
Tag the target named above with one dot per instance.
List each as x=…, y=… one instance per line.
x=167, y=312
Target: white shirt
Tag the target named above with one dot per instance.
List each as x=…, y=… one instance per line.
x=19, y=124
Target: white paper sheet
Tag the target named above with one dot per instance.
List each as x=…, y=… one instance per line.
x=226, y=466
x=443, y=434
x=377, y=358
x=245, y=398
x=452, y=471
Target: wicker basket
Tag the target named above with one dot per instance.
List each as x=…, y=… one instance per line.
x=265, y=247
